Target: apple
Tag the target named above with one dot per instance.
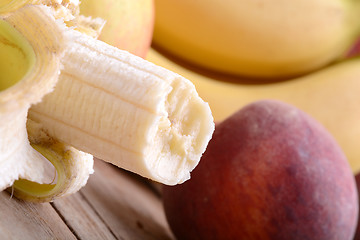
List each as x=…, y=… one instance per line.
x=270, y=172
x=129, y=23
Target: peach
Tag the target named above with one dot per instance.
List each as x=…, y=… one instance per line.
x=270, y=172
x=357, y=232
x=129, y=23
x=355, y=50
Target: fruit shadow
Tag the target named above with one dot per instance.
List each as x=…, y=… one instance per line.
x=221, y=76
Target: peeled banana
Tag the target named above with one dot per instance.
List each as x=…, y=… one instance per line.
x=126, y=111
x=80, y=97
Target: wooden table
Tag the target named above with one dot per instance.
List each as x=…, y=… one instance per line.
x=114, y=204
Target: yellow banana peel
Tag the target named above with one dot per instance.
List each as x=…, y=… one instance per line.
x=257, y=39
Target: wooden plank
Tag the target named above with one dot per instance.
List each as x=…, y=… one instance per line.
x=129, y=208
x=81, y=218
x=24, y=220
x=113, y=205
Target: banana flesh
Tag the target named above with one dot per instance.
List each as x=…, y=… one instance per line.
x=127, y=111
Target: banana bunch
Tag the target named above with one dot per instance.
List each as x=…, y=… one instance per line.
x=66, y=97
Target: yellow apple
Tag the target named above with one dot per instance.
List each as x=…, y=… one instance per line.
x=129, y=23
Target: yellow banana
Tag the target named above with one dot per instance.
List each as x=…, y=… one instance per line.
x=257, y=39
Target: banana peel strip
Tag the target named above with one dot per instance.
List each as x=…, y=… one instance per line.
x=65, y=9
x=42, y=41
x=46, y=39
x=7, y=6
x=73, y=168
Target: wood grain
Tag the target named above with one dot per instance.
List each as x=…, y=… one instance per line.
x=23, y=220
x=129, y=208
x=81, y=218
x=113, y=205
